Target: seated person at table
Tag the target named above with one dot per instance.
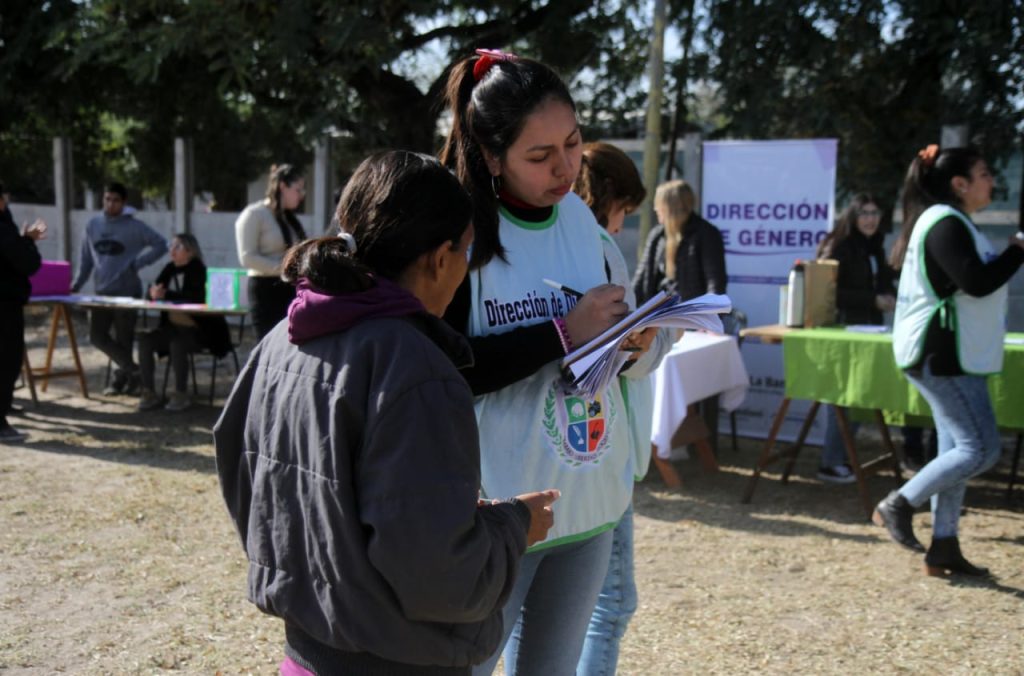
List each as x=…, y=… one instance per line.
x=117, y=246
x=183, y=280
x=864, y=291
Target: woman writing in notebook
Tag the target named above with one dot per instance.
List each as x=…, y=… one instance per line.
x=515, y=145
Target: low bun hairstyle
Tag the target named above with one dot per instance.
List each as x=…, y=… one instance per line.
x=397, y=206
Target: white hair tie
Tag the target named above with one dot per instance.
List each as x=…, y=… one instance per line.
x=350, y=242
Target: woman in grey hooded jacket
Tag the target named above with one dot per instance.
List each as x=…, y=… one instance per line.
x=348, y=450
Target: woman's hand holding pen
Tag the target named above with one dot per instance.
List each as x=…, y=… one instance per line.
x=599, y=308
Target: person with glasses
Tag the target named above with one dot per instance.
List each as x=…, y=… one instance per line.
x=864, y=292
x=264, y=231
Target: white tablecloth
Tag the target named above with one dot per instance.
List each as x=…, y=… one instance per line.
x=699, y=366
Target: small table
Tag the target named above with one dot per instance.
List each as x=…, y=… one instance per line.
x=699, y=365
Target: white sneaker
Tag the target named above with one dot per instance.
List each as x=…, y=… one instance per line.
x=837, y=474
x=178, y=401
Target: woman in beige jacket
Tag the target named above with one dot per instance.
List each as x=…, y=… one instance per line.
x=264, y=231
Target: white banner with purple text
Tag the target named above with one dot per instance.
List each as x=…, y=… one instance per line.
x=773, y=202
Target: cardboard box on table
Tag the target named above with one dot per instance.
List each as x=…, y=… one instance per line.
x=819, y=294
x=227, y=288
x=820, y=279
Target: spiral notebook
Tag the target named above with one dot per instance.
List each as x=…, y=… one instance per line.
x=593, y=365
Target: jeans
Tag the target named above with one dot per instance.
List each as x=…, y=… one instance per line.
x=178, y=341
x=615, y=605
x=969, y=444
x=119, y=346
x=833, y=452
x=546, y=615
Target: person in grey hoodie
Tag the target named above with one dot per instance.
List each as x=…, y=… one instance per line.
x=115, y=247
x=348, y=450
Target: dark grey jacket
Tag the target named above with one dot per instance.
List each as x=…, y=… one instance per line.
x=350, y=465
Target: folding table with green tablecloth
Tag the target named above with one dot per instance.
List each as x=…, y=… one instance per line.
x=846, y=368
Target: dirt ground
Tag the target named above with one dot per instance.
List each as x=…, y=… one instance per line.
x=117, y=557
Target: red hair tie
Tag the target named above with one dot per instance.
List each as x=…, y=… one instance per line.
x=489, y=57
x=928, y=154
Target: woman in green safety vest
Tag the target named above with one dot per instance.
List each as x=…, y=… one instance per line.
x=948, y=337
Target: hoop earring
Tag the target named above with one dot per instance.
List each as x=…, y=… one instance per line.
x=495, y=185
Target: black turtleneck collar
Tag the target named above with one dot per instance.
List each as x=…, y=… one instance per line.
x=523, y=211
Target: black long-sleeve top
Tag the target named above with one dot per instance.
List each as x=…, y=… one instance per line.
x=864, y=274
x=187, y=284
x=19, y=260
x=952, y=262
x=700, y=263
x=504, y=358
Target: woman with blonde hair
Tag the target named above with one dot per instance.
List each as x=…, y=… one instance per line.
x=684, y=253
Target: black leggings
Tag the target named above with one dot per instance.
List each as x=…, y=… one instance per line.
x=269, y=299
x=12, y=350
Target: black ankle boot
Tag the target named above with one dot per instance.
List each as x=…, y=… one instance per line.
x=897, y=515
x=944, y=557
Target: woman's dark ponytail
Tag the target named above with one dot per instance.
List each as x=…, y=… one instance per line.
x=929, y=181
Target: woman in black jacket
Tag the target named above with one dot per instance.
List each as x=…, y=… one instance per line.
x=183, y=280
x=685, y=253
x=864, y=291
x=19, y=259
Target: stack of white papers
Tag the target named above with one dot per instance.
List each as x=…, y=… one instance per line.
x=593, y=366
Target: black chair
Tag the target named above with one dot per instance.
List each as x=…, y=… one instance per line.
x=734, y=323
x=214, y=361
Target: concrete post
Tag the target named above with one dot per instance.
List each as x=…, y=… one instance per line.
x=322, y=207
x=183, y=185
x=63, y=175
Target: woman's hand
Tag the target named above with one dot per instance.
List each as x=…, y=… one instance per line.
x=542, y=518
x=638, y=342
x=598, y=309
x=157, y=292
x=885, y=302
